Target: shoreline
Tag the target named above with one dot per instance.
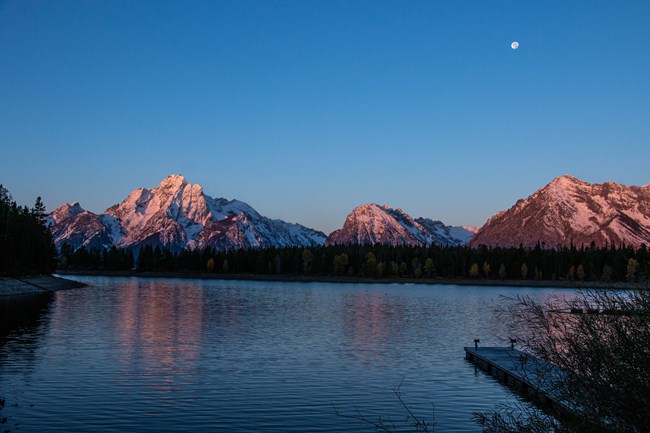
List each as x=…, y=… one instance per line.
x=34, y=285
x=357, y=280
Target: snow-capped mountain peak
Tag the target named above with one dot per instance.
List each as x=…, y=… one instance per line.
x=569, y=210
x=173, y=181
x=176, y=214
x=71, y=224
x=65, y=211
x=381, y=224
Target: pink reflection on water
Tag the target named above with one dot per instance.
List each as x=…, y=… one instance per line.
x=159, y=328
x=371, y=323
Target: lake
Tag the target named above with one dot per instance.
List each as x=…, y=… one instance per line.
x=151, y=355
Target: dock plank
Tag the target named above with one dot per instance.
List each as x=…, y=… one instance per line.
x=528, y=375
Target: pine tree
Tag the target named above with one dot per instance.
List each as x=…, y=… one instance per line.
x=25, y=243
x=38, y=211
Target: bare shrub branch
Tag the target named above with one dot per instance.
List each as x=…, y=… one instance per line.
x=600, y=341
x=387, y=425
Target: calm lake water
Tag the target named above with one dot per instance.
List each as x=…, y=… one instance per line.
x=152, y=355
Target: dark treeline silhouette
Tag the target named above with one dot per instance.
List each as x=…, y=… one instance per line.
x=378, y=261
x=26, y=245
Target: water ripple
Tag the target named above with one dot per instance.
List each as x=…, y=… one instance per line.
x=145, y=355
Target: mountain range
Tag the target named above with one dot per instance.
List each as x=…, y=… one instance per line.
x=177, y=215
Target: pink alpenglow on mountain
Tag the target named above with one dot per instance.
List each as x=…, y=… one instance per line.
x=380, y=224
x=71, y=224
x=568, y=210
x=176, y=215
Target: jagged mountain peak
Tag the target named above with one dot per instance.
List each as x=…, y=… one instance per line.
x=380, y=224
x=370, y=207
x=374, y=208
x=73, y=225
x=569, y=210
x=373, y=219
x=173, y=180
x=566, y=179
x=65, y=211
x=177, y=214
x=72, y=207
x=564, y=184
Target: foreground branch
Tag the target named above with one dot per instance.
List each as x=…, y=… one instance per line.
x=600, y=339
x=387, y=425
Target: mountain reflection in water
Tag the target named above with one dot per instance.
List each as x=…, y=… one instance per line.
x=150, y=355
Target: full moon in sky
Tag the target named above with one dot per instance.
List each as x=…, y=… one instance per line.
x=514, y=45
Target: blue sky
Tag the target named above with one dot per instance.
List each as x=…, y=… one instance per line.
x=306, y=109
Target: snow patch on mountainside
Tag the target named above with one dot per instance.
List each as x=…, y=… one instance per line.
x=463, y=233
x=113, y=227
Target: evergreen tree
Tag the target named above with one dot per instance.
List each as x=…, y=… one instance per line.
x=26, y=245
x=39, y=211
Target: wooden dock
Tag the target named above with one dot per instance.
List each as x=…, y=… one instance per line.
x=528, y=375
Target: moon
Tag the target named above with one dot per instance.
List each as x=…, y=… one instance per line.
x=514, y=45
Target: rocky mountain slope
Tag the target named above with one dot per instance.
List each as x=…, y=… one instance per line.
x=71, y=224
x=176, y=215
x=375, y=224
x=568, y=210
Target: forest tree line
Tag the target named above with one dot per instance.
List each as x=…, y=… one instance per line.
x=379, y=261
x=26, y=245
